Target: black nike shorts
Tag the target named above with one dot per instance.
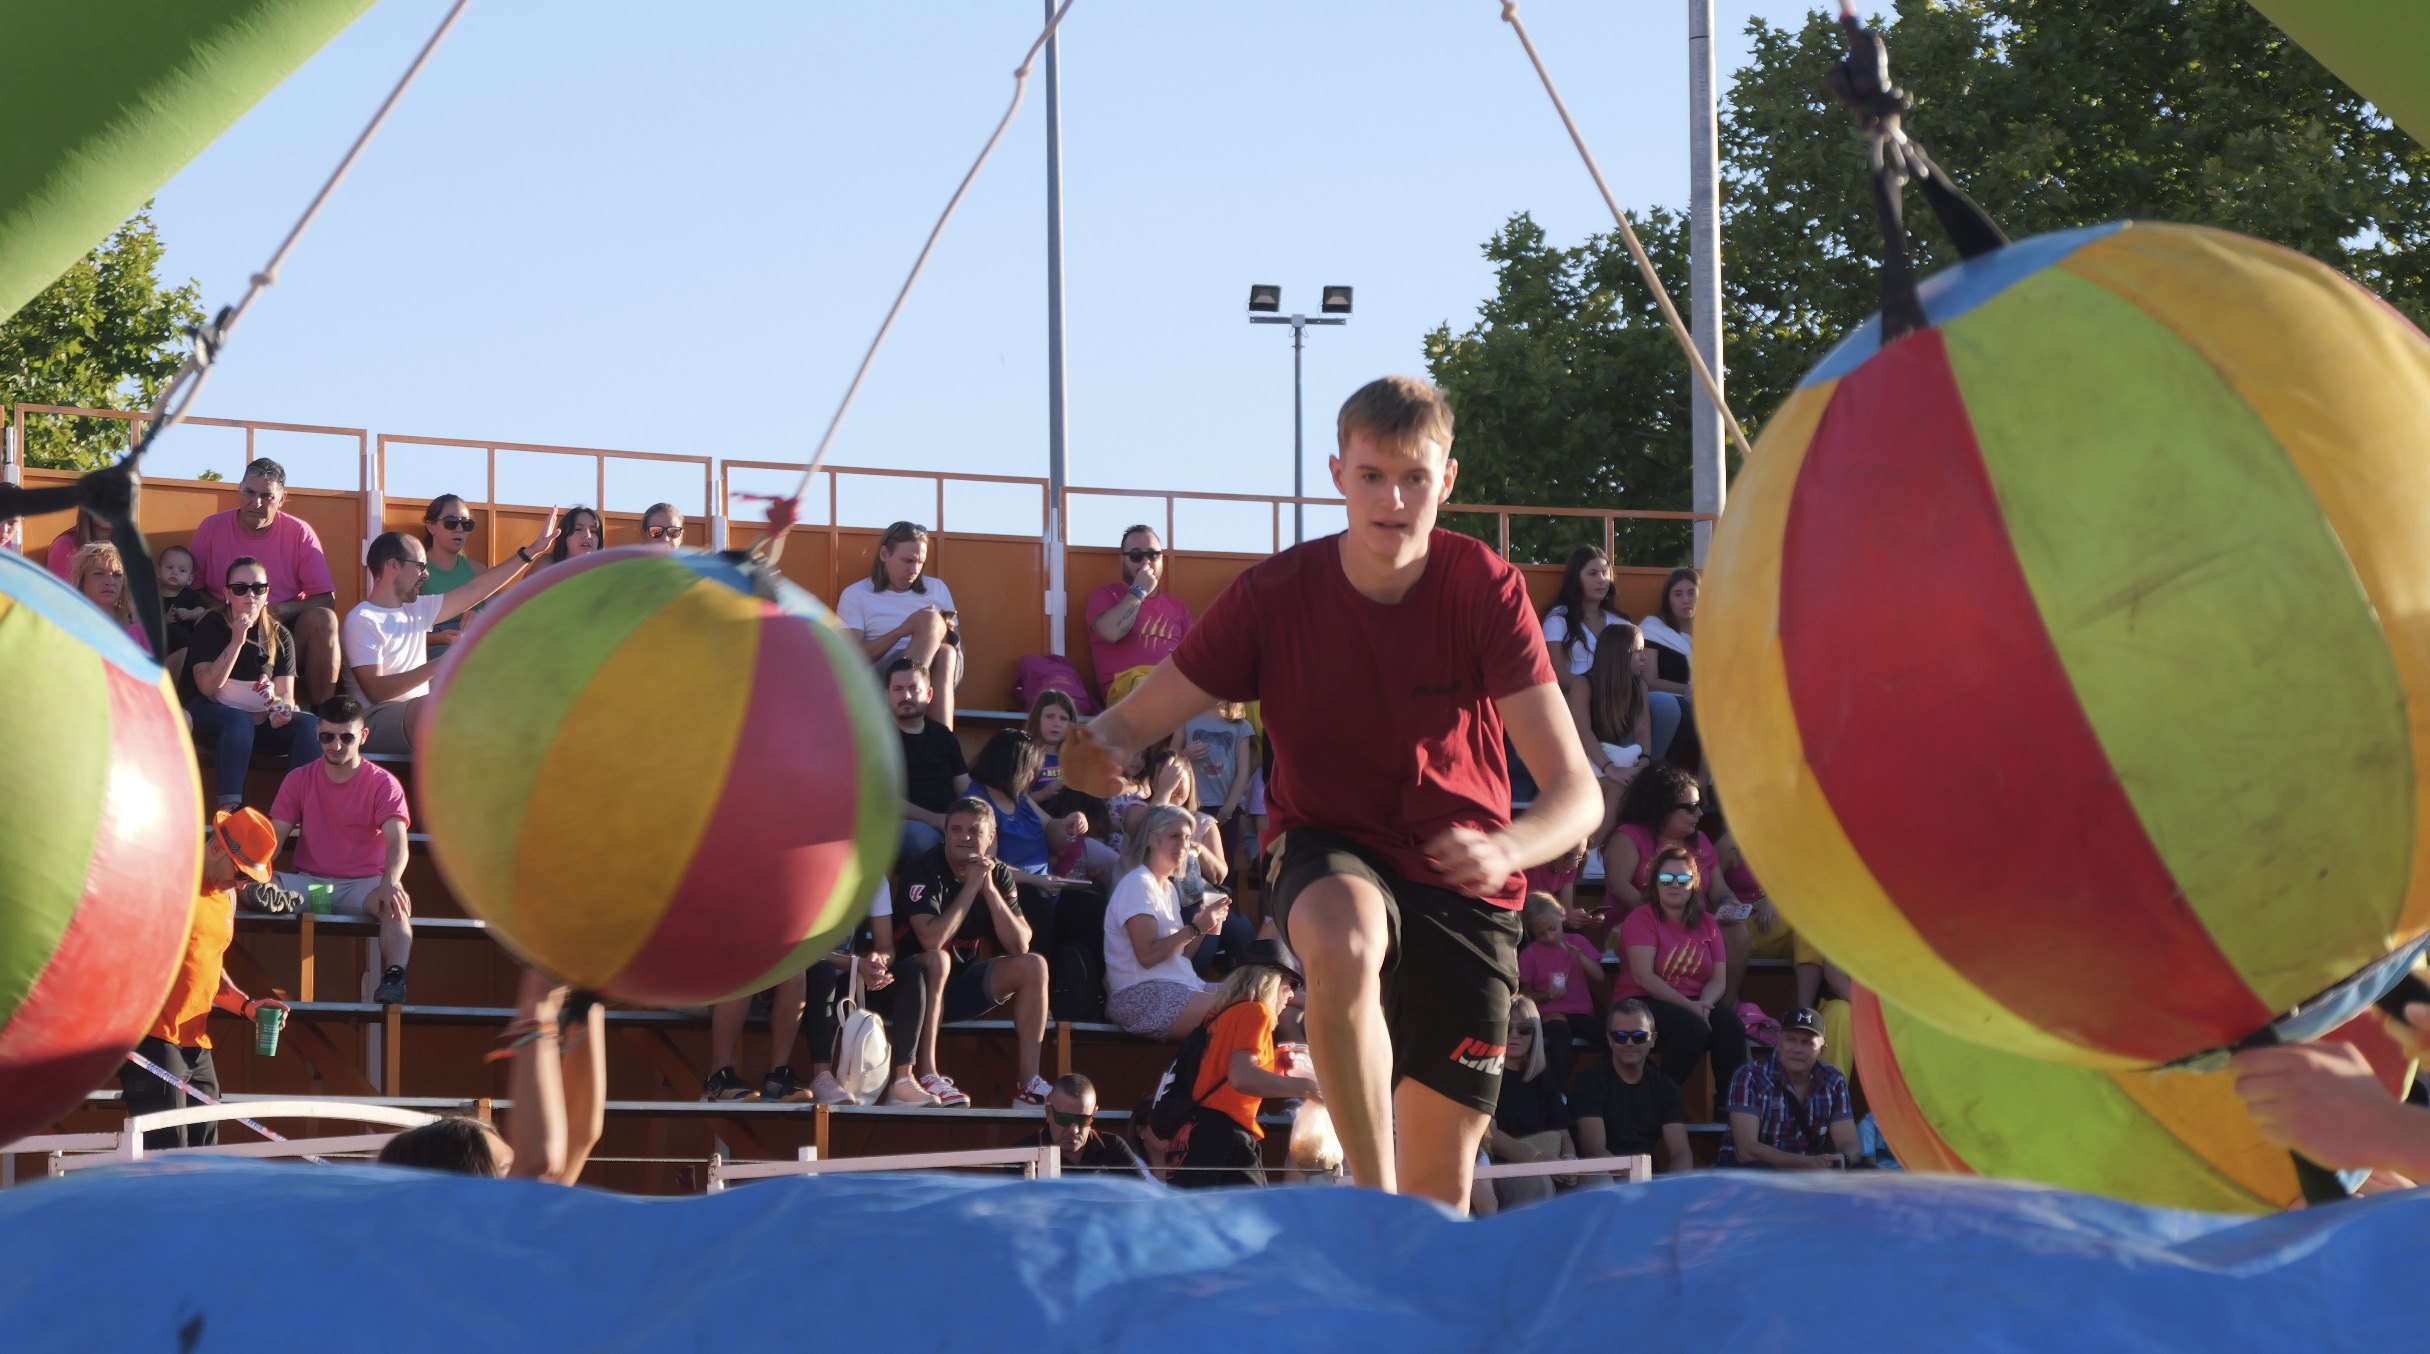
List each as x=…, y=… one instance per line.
x=1450, y=970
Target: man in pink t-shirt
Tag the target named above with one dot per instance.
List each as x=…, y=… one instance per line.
x=302, y=593
x=1134, y=624
x=353, y=817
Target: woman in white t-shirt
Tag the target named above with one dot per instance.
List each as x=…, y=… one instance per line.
x=1151, y=988
x=898, y=613
x=1579, y=612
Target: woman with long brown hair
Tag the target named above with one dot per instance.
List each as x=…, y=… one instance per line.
x=898, y=611
x=1673, y=960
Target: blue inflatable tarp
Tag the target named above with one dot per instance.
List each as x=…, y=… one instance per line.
x=231, y=1255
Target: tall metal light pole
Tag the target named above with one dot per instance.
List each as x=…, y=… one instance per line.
x=1057, y=425
x=1265, y=305
x=1704, y=267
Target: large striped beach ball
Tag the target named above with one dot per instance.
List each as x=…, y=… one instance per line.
x=656, y=781
x=2066, y=662
x=100, y=844
x=2169, y=1138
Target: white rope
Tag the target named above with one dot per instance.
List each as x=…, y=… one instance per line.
x=179, y=395
x=1645, y=266
x=1020, y=87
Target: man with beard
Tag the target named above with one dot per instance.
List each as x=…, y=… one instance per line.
x=1133, y=624
x=934, y=772
x=303, y=597
x=386, y=637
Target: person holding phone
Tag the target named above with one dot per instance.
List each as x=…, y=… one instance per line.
x=1791, y=1112
x=900, y=611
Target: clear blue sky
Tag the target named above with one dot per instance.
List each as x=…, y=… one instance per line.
x=673, y=228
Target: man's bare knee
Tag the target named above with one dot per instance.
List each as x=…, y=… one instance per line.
x=1338, y=929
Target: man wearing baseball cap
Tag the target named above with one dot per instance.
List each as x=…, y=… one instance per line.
x=240, y=844
x=1790, y=1111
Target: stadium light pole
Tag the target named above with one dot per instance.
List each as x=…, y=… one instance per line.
x=1265, y=307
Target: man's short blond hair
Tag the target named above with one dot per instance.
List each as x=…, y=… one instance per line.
x=1402, y=413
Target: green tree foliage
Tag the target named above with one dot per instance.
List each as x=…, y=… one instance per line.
x=2051, y=113
x=106, y=335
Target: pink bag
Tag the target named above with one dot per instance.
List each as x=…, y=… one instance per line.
x=1050, y=672
x=1761, y=1029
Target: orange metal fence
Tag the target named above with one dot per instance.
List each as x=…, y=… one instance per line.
x=1000, y=577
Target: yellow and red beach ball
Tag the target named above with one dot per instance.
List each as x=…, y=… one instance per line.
x=100, y=844
x=2173, y=1139
x=656, y=781
x=2067, y=661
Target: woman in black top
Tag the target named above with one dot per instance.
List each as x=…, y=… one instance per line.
x=1531, y=1119
x=241, y=691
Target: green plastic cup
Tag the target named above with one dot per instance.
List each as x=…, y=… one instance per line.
x=267, y=1022
x=321, y=899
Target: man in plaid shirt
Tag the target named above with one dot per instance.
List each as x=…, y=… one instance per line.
x=1790, y=1111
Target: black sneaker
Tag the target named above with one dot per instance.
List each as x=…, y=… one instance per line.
x=724, y=1085
x=780, y=1085
x=391, y=991
x=270, y=898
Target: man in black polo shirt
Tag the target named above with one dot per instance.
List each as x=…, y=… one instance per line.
x=1623, y=1106
x=934, y=774
x=1071, y=1126
x=956, y=898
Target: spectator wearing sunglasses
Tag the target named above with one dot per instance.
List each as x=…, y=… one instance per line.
x=303, y=595
x=1071, y=1126
x=387, y=635
x=1621, y=1105
x=1673, y=960
x=1134, y=624
x=661, y=524
x=898, y=611
x=239, y=683
x=447, y=527
x=353, y=818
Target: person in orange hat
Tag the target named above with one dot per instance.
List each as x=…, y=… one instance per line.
x=240, y=844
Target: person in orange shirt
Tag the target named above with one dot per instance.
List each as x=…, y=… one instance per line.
x=1237, y=1074
x=240, y=844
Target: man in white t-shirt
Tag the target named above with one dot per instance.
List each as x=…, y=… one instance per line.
x=901, y=612
x=386, y=638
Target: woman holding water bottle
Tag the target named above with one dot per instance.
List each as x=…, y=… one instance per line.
x=239, y=684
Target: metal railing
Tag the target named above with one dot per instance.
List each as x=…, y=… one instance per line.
x=136, y=418
x=600, y=458
x=1038, y=1163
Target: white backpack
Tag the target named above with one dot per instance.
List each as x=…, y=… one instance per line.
x=862, y=1056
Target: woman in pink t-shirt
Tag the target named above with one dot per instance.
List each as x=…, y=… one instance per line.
x=1563, y=973
x=96, y=572
x=1672, y=957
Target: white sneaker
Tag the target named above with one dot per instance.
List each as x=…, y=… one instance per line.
x=1593, y=869
x=905, y=1091
x=1034, y=1094
x=949, y=1095
x=826, y=1090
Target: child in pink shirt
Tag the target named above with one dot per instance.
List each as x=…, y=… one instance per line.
x=1562, y=971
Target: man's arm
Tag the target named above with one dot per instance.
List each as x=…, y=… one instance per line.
x=913, y=813
x=1567, y=806
x=1675, y=1157
x=1095, y=752
x=392, y=871
x=936, y=930
x=1743, y=1133
x=1115, y=621
x=1590, y=1135
x=1843, y=1140
x=381, y=688
x=287, y=611
x=1012, y=929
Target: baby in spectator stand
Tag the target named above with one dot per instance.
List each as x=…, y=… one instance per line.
x=96, y=572
x=1563, y=973
x=354, y=818
x=239, y=683
x=181, y=603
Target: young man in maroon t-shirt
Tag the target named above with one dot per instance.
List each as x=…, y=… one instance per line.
x=1391, y=659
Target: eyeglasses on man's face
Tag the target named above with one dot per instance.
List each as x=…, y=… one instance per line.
x=1142, y=556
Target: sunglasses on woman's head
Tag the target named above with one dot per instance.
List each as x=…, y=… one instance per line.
x=248, y=589
x=456, y=523
x=1631, y=1036
x=1669, y=877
